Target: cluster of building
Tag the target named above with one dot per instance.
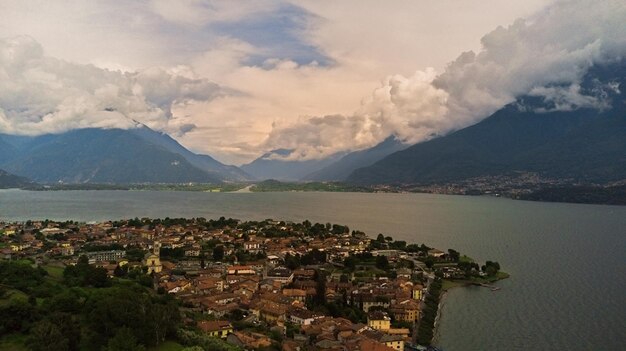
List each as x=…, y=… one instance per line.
x=246, y=301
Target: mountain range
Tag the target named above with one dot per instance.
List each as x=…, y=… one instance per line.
x=533, y=134
x=120, y=156
x=275, y=165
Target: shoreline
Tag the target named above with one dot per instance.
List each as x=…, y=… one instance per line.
x=444, y=294
x=249, y=189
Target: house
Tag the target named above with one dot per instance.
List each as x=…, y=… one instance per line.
x=378, y=320
x=395, y=342
x=436, y=253
x=371, y=345
x=300, y=316
x=219, y=329
x=280, y=274
x=405, y=311
x=176, y=286
x=304, y=274
x=252, y=246
x=240, y=270
x=296, y=294
x=248, y=340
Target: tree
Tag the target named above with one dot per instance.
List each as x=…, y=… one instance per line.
x=380, y=238
x=350, y=263
x=454, y=255
x=124, y=340
x=429, y=261
x=119, y=271
x=46, y=336
x=382, y=262
x=218, y=253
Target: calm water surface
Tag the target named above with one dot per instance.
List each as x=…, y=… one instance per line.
x=568, y=262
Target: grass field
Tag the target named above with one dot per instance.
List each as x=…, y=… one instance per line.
x=166, y=346
x=54, y=272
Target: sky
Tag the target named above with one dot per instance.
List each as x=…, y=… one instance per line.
x=235, y=79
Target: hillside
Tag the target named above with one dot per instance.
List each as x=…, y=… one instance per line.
x=342, y=168
x=100, y=156
x=271, y=166
x=582, y=144
x=8, y=180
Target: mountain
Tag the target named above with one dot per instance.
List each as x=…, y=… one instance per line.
x=8, y=180
x=271, y=166
x=204, y=162
x=7, y=151
x=530, y=135
x=342, y=168
x=101, y=156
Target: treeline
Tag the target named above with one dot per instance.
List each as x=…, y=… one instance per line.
x=426, y=328
x=275, y=185
x=86, y=310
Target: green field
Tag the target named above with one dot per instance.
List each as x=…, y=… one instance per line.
x=166, y=346
x=54, y=272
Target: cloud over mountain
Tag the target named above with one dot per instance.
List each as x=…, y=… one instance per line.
x=545, y=55
x=40, y=94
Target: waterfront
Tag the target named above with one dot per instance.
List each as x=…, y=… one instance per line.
x=566, y=261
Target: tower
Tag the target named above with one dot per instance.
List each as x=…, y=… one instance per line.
x=156, y=248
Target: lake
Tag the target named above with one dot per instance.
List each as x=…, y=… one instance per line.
x=567, y=262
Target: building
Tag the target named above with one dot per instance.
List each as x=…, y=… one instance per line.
x=301, y=316
x=106, y=256
x=378, y=320
x=417, y=292
x=152, y=260
x=405, y=311
x=218, y=329
x=240, y=270
x=436, y=253
x=280, y=274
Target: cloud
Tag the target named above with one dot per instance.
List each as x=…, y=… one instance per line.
x=40, y=94
x=544, y=55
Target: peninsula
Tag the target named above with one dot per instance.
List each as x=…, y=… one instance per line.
x=198, y=284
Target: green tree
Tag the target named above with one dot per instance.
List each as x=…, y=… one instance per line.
x=430, y=262
x=124, y=340
x=218, y=253
x=454, y=255
x=46, y=336
x=382, y=262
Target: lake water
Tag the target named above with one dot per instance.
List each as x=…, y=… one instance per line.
x=567, y=261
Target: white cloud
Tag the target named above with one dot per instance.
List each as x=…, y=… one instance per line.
x=555, y=46
x=268, y=105
x=39, y=94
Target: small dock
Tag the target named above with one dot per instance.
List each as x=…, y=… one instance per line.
x=492, y=287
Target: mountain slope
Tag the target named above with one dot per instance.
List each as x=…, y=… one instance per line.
x=8, y=180
x=7, y=151
x=204, y=162
x=583, y=144
x=269, y=166
x=341, y=169
x=102, y=156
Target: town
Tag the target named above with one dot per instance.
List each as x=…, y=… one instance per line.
x=228, y=284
